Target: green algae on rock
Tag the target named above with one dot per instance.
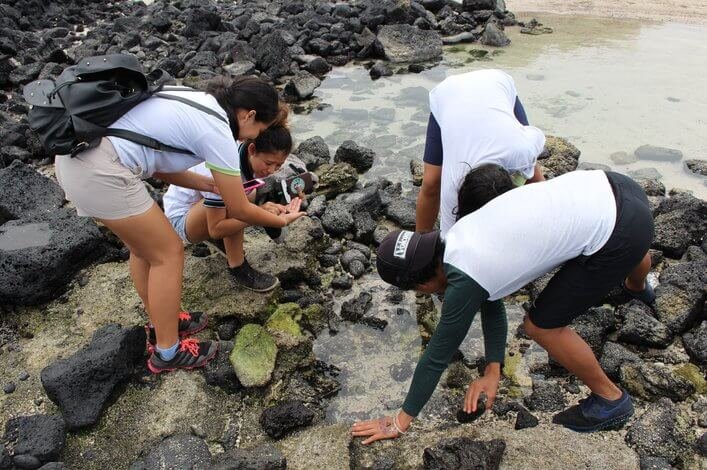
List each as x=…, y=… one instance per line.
x=253, y=356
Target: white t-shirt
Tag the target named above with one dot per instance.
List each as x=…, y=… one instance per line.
x=178, y=200
x=475, y=114
x=529, y=231
x=182, y=126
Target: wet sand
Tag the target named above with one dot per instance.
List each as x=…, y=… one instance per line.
x=683, y=11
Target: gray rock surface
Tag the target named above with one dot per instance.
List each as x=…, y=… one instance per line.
x=680, y=221
x=336, y=179
x=357, y=156
x=613, y=356
x=680, y=296
x=663, y=431
x=547, y=396
x=653, y=382
x=405, y=43
x=39, y=436
x=82, y=384
x=302, y=85
x=695, y=342
x=314, y=152
x=698, y=167
x=463, y=452
x=641, y=328
x=181, y=451
x=660, y=154
x=493, y=35
x=559, y=156
x=285, y=417
x=262, y=457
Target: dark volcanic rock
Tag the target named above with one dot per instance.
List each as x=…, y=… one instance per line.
x=219, y=372
x=613, y=356
x=39, y=436
x=180, y=451
x=353, y=310
x=698, y=167
x=493, y=35
x=594, y=326
x=359, y=157
x=525, y=420
x=42, y=245
x=302, y=86
x=81, y=384
x=285, y=417
x=463, y=452
x=405, y=43
x=680, y=221
x=262, y=457
x=473, y=5
x=661, y=154
x=695, y=342
x=652, y=186
x=337, y=219
x=336, y=179
x=402, y=212
x=652, y=382
x=314, y=152
x=559, y=156
x=663, y=431
x=380, y=69
x=641, y=328
x=547, y=396
x=464, y=417
x=681, y=295
x=273, y=56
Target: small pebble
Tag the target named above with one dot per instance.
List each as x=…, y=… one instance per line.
x=83, y=280
x=9, y=388
x=198, y=431
x=24, y=375
x=464, y=417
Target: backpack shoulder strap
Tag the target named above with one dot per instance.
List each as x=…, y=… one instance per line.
x=144, y=140
x=191, y=103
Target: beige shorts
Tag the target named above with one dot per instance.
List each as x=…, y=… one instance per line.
x=98, y=184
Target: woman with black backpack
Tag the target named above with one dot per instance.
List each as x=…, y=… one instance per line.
x=105, y=183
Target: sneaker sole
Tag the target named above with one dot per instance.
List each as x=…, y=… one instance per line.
x=615, y=423
x=156, y=371
x=182, y=334
x=267, y=289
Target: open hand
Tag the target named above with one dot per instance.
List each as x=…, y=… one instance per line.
x=273, y=208
x=292, y=211
x=375, y=429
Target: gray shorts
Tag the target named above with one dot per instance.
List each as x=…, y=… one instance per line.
x=100, y=186
x=179, y=222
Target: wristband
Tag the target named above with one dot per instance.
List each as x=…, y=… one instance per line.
x=396, y=425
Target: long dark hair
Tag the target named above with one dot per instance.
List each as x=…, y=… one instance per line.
x=481, y=185
x=276, y=139
x=245, y=92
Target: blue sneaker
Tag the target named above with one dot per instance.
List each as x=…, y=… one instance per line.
x=647, y=295
x=595, y=413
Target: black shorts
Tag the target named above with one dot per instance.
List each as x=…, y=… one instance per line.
x=584, y=282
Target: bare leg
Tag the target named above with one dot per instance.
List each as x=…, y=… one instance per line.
x=151, y=237
x=234, y=249
x=636, y=281
x=575, y=355
x=140, y=273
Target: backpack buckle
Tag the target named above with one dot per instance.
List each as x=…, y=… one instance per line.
x=79, y=148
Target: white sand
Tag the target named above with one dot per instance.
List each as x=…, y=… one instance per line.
x=684, y=11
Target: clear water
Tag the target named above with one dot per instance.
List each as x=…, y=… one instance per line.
x=607, y=85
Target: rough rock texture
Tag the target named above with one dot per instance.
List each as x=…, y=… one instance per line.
x=337, y=218
x=559, y=156
x=357, y=156
x=336, y=179
x=613, y=356
x=314, y=152
x=547, y=396
x=219, y=372
x=402, y=212
x=663, y=431
x=681, y=294
x=354, y=309
x=594, y=326
x=641, y=328
x=285, y=417
x=253, y=356
x=525, y=420
x=302, y=86
x=262, y=457
x=680, y=221
x=463, y=452
x=699, y=167
x=493, y=35
x=180, y=451
x=81, y=384
x=405, y=43
x=695, y=342
x=652, y=186
x=42, y=246
x=652, y=382
x=39, y=436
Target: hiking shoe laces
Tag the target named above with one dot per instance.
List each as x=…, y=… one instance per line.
x=595, y=413
x=250, y=278
x=191, y=354
x=190, y=323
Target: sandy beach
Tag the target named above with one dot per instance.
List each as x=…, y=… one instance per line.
x=685, y=11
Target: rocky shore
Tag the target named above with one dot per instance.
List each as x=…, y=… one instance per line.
x=76, y=391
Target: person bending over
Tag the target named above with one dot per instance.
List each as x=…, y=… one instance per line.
x=475, y=118
x=201, y=215
x=596, y=225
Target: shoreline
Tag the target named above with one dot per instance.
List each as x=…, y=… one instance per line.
x=688, y=12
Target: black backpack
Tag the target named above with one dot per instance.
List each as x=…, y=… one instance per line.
x=73, y=114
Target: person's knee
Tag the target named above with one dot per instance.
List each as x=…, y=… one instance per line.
x=532, y=330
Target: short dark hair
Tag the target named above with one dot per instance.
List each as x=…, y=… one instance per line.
x=276, y=139
x=427, y=272
x=480, y=185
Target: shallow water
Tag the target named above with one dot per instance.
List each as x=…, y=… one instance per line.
x=607, y=85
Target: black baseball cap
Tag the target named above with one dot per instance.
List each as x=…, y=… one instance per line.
x=403, y=252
